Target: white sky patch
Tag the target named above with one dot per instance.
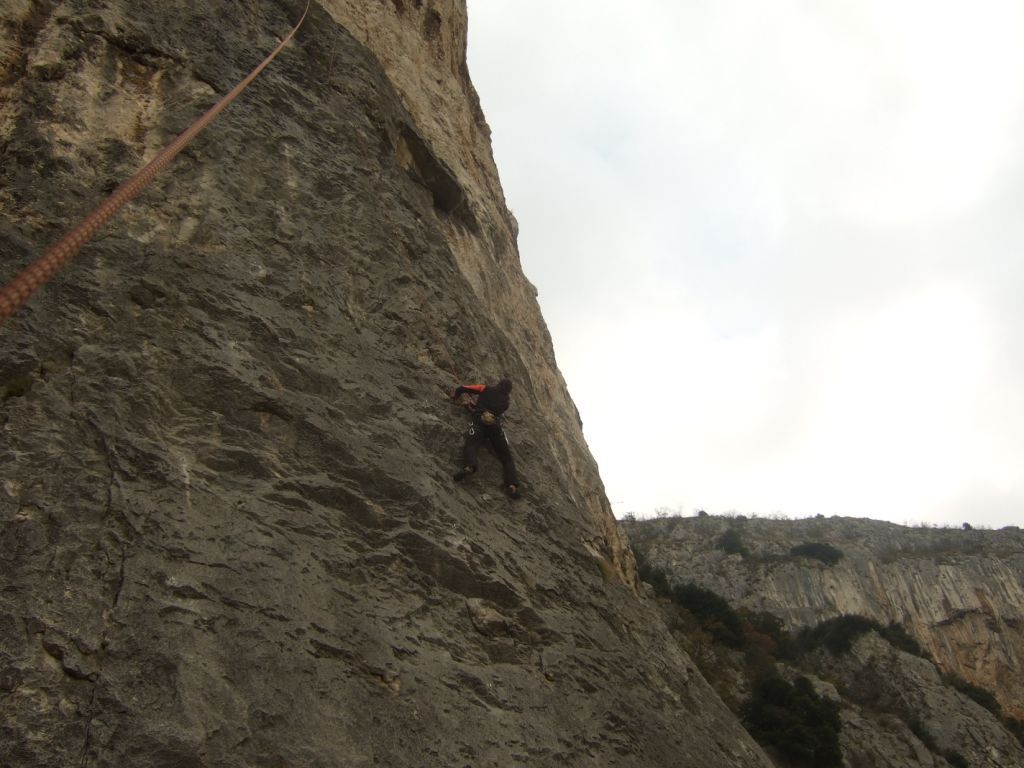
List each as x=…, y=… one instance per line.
x=898, y=389
x=776, y=246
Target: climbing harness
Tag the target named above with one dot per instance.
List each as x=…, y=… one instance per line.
x=14, y=296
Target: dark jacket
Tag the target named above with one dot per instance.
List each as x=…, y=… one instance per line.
x=493, y=398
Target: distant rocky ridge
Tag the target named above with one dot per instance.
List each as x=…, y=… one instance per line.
x=228, y=526
x=959, y=593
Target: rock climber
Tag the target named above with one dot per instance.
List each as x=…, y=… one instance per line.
x=487, y=403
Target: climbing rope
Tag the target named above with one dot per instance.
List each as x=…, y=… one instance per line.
x=14, y=296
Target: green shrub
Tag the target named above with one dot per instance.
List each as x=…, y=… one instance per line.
x=824, y=552
x=713, y=612
x=766, y=630
x=731, y=542
x=955, y=759
x=839, y=634
x=795, y=722
x=898, y=636
x=654, y=576
x=980, y=695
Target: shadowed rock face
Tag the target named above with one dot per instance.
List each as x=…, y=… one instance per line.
x=227, y=523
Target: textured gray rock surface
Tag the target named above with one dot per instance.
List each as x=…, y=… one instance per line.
x=959, y=592
x=888, y=688
x=227, y=527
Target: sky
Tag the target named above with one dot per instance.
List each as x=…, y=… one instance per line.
x=779, y=246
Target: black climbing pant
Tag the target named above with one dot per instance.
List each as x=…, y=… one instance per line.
x=495, y=435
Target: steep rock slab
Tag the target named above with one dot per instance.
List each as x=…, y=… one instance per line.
x=228, y=527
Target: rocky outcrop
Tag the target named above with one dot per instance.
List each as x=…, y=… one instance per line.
x=227, y=521
x=888, y=689
x=959, y=592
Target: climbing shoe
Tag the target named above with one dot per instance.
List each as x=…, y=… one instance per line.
x=463, y=473
x=513, y=491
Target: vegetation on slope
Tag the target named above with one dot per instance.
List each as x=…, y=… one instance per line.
x=817, y=550
x=739, y=650
x=838, y=635
x=793, y=721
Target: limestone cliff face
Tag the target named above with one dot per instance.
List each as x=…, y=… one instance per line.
x=959, y=592
x=228, y=528
x=422, y=48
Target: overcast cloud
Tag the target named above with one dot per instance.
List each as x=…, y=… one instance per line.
x=779, y=246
